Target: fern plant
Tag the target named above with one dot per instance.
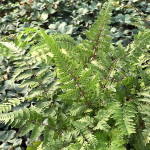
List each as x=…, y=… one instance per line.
x=81, y=103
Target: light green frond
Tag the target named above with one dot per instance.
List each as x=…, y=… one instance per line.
x=124, y=117
x=4, y=50
x=117, y=141
x=14, y=118
x=12, y=47
x=144, y=109
x=102, y=117
x=5, y=107
x=78, y=108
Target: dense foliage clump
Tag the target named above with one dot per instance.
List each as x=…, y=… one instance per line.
x=91, y=95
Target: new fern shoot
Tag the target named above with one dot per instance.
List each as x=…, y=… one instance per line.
x=80, y=104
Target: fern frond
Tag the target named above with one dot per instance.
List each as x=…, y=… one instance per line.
x=102, y=117
x=28, y=127
x=49, y=142
x=13, y=117
x=139, y=22
x=124, y=117
x=83, y=126
x=144, y=109
x=78, y=108
x=66, y=70
x=66, y=42
x=99, y=33
x=117, y=141
x=29, y=68
x=41, y=51
x=36, y=132
x=5, y=107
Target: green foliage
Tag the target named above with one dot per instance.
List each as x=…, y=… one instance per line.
x=35, y=146
x=9, y=140
x=69, y=17
x=81, y=103
x=127, y=15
